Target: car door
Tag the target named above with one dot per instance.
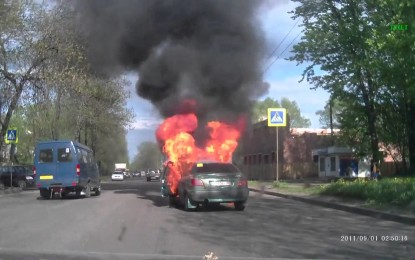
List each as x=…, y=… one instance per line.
x=163, y=179
x=5, y=174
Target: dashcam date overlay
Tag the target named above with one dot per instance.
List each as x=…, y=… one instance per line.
x=373, y=238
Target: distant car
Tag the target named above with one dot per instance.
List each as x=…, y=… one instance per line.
x=142, y=173
x=208, y=183
x=20, y=175
x=117, y=176
x=136, y=174
x=153, y=175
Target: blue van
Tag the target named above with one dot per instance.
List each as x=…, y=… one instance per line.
x=65, y=166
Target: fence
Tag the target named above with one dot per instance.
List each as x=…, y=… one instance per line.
x=286, y=171
x=391, y=168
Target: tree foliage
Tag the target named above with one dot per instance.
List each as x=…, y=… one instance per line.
x=325, y=114
x=48, y=89
x=365, y=65
x=295, y=118
x=149, y=156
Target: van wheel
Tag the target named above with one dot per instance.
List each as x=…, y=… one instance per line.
x=21, y=185
x=45, y=194
x=240, y=206
x=87, y=191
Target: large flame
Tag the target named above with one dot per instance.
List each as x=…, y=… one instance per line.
x=175, y=134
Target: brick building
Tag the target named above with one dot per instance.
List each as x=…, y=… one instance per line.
x=295, y=147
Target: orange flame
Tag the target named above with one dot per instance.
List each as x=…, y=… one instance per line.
x=175, y=133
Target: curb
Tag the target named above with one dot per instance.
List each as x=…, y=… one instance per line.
x=356, y=210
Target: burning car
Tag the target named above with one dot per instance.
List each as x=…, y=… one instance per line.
x=207, y=183
x=196, y=175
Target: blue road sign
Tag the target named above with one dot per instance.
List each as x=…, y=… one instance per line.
x=277, y=117
x=11, y=136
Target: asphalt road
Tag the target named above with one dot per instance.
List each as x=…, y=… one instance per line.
x=130, y=220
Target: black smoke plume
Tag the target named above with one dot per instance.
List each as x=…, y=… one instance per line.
x=204, y=50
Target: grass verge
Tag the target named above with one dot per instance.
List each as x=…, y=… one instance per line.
x=388, y=191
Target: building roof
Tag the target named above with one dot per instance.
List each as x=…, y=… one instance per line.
x=318, y=131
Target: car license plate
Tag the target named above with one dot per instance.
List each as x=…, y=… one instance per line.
x=220, y=183
x=46, y=177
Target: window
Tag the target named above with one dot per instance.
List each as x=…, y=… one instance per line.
x=249, y=159
x=332, y=164
x=20, y=170
x=322, y=164
x=215, y=168
x=245, y=160
x=46, y=156
x=91, y=157
x=83, y=156
x=273, y=157
x=254, y=159
x=64, y=155
x=259, y=158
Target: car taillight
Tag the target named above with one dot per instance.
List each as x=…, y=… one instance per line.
x=242, y=183
x=34, y=171
x=78, y=169
x=196, y=182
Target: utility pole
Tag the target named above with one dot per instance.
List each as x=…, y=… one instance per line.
x=331, y=120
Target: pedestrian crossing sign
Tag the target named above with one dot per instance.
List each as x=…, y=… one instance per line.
x=277, y=117
x=11, y=136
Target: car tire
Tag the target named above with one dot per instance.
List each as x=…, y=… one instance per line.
x=45, y=193
x=188, y=203
x=21, y=184
x=98, y=191
x=239, y=206
x=172, y=201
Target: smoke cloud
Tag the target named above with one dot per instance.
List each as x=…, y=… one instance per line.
x=208, y=51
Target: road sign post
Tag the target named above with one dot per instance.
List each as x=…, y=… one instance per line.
x=277, y=117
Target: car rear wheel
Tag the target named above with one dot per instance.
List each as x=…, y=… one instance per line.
x=98, y=191
x=21, y=185
x=240, y=206
x=188, y=205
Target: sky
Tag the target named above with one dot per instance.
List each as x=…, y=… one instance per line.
x=283, y=77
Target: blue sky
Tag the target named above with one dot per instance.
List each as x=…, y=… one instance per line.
x=283, y=77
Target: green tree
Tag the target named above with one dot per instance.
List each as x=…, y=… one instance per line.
x=149, y=156
x=260, y=110
x=62, y=98
x=333, y=112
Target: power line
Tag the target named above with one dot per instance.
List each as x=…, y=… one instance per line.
x=276, y=48
x=272, y=63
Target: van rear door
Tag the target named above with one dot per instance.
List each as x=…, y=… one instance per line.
x=66, y=164
x=45, y=163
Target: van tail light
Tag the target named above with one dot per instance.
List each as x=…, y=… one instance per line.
x=78, y=170
x=34, y=171
x=196, y=182
x=242, y=183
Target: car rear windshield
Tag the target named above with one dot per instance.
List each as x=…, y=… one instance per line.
x=117, y=173
x=216, y=167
